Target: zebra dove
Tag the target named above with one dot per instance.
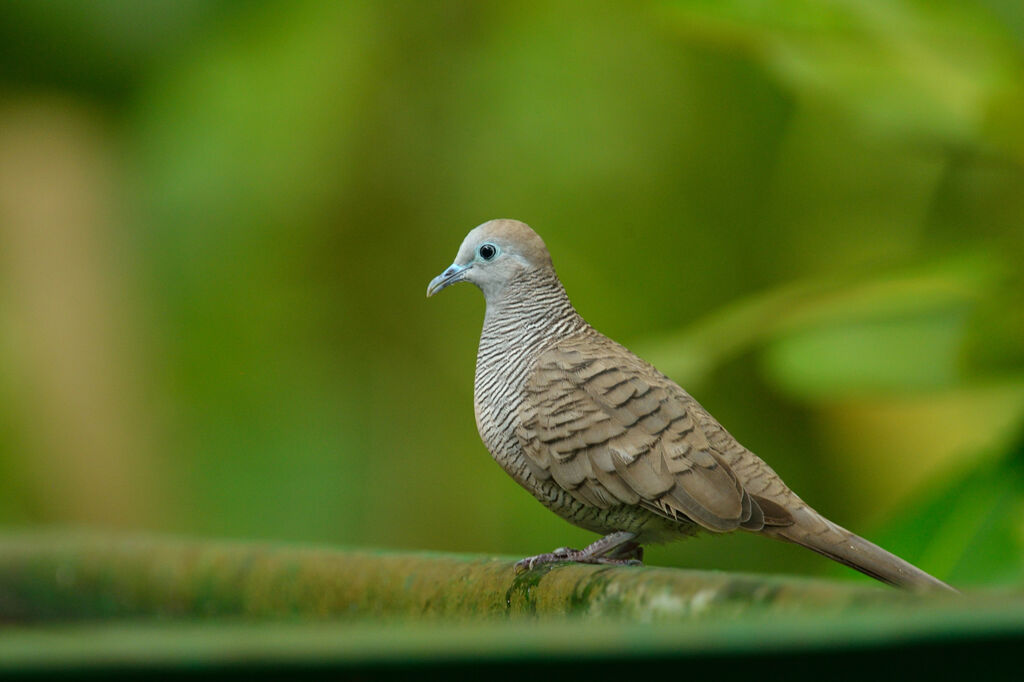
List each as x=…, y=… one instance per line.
x=605, y=440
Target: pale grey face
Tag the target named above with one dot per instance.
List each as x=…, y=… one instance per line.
x=492, y=255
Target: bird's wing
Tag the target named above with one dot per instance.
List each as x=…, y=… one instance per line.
x=612, y=430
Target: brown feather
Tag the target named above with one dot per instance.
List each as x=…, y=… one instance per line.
x=632, y=427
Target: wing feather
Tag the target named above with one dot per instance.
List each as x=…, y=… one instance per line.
x=612, y=430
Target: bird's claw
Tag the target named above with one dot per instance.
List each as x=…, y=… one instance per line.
x=567, y=555
x=559, y=555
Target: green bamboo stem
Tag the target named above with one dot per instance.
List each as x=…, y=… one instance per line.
x=54, y=577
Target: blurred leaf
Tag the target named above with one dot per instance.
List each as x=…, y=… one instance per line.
x=969, y=530
x=924, y=69
x=893, y=334
x=827, y=336
x=859, y=356
x=105, y=48
x=915, y=438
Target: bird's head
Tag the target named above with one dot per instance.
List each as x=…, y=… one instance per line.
x=492, y=255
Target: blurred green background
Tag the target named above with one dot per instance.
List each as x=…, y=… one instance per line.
x=218, y=219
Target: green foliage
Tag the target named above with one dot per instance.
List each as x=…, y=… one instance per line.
x=811, y=214
x=970, y=526
x=945, y=70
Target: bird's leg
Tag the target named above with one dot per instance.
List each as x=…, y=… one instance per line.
x=631, y=551
x=618, y=548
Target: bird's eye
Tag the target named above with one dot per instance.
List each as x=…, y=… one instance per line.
x=488, y=251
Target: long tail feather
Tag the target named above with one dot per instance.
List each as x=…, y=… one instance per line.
x=817, y=533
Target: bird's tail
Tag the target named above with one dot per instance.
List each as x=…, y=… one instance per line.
x=817, y=533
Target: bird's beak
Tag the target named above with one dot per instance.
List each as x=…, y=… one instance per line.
x=455, y=273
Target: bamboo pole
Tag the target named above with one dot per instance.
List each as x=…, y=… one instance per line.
x=87, y=576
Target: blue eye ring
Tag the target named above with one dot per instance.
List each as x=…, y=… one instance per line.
x=488, y=251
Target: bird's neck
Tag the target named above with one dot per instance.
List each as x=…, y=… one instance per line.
x=531, y=315
x=533, y=310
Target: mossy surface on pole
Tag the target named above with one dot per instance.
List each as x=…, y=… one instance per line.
x=61, y=577
x=100, y=605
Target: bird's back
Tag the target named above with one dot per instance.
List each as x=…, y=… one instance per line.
x=612, y=430
x=616, y=433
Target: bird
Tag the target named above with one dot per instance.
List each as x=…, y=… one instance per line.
x=606, y=441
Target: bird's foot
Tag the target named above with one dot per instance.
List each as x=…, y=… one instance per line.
x=565, y=555
x=615, y=549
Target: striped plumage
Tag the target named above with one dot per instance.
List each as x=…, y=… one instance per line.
x=606, y=441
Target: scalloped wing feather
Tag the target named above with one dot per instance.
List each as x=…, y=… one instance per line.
x=611, y=430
